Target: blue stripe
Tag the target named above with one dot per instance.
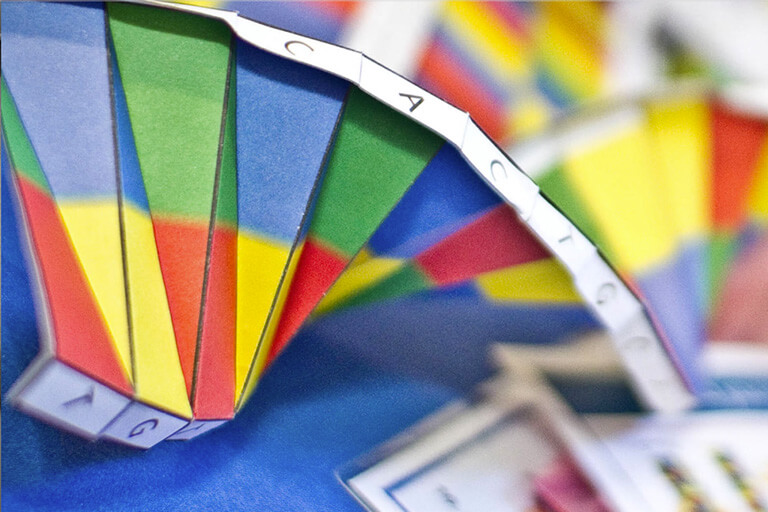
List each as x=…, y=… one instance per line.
x=132, y=183
x=553, y=91
x=54, y=58
x=286, y=118
x=453, y=321
x=301, y=17
x=480, y=74
x=445, y=197
x=668, y=294
x=735, y=392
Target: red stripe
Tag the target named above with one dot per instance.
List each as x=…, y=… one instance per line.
x=496, y=240
x=738, y=141
x=215, y=379
x=316, y=271
x=181, y=248
x=512, y=16
x=342, y=11
x=81, y=336
x=443, y=75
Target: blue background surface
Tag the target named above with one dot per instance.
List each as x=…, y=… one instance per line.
x=318, y=407
x=347, y=383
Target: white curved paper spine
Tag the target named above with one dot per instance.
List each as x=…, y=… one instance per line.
x=643, y=352
x=641, y=349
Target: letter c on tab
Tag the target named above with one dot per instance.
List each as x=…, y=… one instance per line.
x=605, y=293
x=498, y=171
x=292, y=44
x=141, y=427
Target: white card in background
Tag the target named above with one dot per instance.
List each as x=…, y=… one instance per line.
x=482, y=456
x=703, y=461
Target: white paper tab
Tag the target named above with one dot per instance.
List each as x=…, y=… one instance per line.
x=329, y=57
x=571, y=247
x=413, y=101
x=607, y=294
x=69, y=399
x=370, y=31
x=469, y=456
x=195, y=428
x=142, y=426
x=751, y=99
x=655, y=376
x=498, y=171
x=334, y=59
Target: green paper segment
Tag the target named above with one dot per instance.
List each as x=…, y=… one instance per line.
x=722, y=249
x=556, y=187
x=404, y=282
x=24, y=159
x=176, y=116
x=377, y=156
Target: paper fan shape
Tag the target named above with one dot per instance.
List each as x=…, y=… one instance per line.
x=672, y=188
x=192, y=184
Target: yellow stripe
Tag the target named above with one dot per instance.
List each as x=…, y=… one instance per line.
x=260, y=266
x=617, y=178
x=529, y=115
x=203, y=3
x=357, y=278
x=500, y=50
x=573, y=59
x=94, y=229
x=361, y=258
x=586, y=18
x=157, y=369
x=758, y=197
x=538, y=281
x=680, y=131
x=269, y=335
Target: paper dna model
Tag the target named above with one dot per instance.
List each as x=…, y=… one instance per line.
x=193, y=185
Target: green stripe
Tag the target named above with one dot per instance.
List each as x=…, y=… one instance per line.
x=174, y=71
x=378, y=155
x=226, y=205
x=556, y=187
x=406, y=281
x=722, y=249
x=20, y=151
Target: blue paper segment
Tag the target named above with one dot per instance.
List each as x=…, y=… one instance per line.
x=54, y=59
x=678, y=313
x=285, y=123
x=446, y=196
x=131, y=181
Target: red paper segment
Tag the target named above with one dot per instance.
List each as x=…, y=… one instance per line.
x=738, y=142
x=214, y=396
x=82, y=338
x=181, y=248
x=444, y=75
x=496, y=240
x=316, y=271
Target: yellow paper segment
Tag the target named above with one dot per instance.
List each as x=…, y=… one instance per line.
x=758, y=197
x=530, y=115
x=573, y=56
x=681, y=138
x=157, y=369
x=538, y=281
x=618, y=180
x=94, y=229
x=260, y=267
x=501, y=50
x=366, y=272
x=269, y=335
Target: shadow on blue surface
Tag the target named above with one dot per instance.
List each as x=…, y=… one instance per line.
x=318, y=407
x=347, y=383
